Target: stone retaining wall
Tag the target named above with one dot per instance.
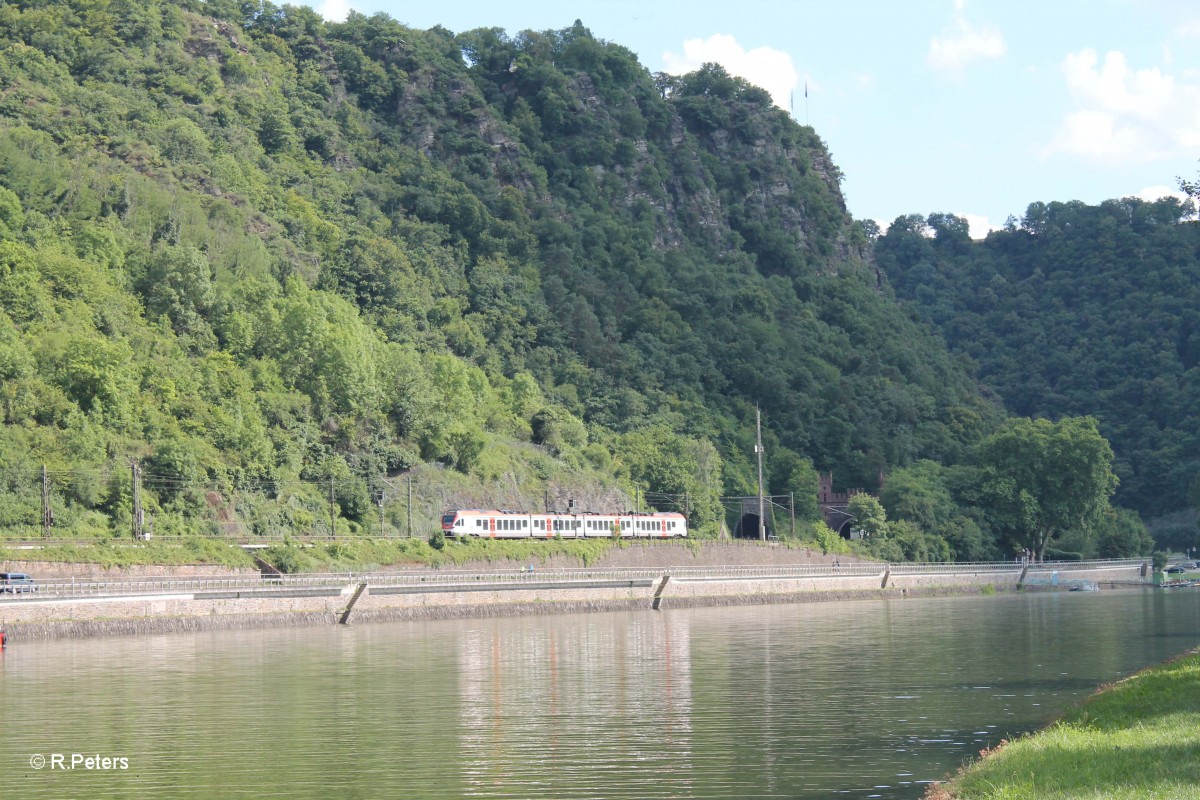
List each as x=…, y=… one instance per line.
x=43, y=617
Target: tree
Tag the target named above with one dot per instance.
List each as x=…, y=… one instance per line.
x=1123, y=534
x=1042, y=479
x=1191, y=188
x=869, y=516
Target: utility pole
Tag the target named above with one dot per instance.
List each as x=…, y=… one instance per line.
x=382, y=497
x=332, y=512
x=758, y=448
x=410, y=507
x=47, y=514
x=792, y=510
x=138, y=515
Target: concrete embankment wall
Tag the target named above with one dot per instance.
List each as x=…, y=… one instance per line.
x=45, y=617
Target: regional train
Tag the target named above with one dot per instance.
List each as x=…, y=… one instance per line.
x=575, y=525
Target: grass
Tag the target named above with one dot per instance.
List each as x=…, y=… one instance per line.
x=343, y=555
x=106, y=553
x=347, y=554
x=367, y=554
x=1134, y=740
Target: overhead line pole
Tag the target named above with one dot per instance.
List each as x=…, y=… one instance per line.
x=758, y=448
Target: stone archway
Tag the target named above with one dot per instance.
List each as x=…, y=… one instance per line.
x=747, y=527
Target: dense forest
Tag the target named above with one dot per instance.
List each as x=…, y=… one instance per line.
x=1078, y=309
x=276, y=261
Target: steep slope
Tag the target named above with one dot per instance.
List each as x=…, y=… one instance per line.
x=264, y=254
x=1077, y=310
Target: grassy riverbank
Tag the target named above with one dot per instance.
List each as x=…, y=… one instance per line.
x=343, y=555
x=337, y=556
x=1135, y=740
x=362, y=554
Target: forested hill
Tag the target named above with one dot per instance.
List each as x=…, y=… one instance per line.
x=252, y=249
x=1077, y=309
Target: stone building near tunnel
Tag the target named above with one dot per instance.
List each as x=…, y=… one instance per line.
x=833, y=504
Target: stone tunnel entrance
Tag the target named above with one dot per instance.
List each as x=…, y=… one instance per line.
x=839, y=520
x=747, y=522
x=747, y=527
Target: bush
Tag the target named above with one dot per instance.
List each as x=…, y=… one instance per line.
x=288, y=558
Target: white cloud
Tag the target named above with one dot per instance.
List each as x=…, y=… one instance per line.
x=766, y=67
x=961, y=43
x=1189, y=28
x=1121, y=114
x=1152, y=193
x=334, y=10
x=979, y=224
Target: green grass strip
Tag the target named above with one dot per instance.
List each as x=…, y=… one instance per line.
x=1139, y=738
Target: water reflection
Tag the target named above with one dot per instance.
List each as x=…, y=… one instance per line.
x=578, y=706
x=866, y=699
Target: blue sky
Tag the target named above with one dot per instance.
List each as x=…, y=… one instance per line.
x=976, y=108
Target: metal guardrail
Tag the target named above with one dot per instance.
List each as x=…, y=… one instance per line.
x=516, y=578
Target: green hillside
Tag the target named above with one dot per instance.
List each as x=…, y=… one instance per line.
x=1077, y=309
x=272, y=259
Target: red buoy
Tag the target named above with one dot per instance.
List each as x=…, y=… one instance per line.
x=3, y=640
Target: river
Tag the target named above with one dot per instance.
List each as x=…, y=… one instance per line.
x=858, y=699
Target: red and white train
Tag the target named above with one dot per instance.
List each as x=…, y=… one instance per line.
x=521, y=525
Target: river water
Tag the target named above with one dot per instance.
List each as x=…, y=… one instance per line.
x=856, y=699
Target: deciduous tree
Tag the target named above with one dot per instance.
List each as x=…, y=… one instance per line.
x=1044, y=478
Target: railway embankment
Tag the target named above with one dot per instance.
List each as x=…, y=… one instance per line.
x=151, y=604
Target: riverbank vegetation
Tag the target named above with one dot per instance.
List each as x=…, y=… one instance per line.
x=266, y=275
x=1078, y=309
x=192, y=550
x=351, y=554
x=1135, y=740
x=360, y=554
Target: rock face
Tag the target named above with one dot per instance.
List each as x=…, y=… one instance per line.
x=577, y=122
